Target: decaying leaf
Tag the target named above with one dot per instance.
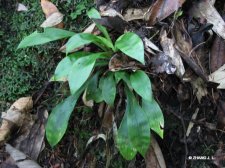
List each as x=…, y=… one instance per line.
x=162, y=9
x=108, y=118
x=149, y=46
x=163, y=63
x=218, y=77
x=88, y=103
x=53, y=20
x=217, y=56
x=22, y=161
x=184, y=46
x=154, y=157
x=21, y=7
x=206, y=10
x=48, y=8
x=121, y=62
x=191, y=124
x=168, y=48
x=30, y=139
x=15, y=116
x=136, y=14
x=96, y=137
x=199, y=88
x=53, y=16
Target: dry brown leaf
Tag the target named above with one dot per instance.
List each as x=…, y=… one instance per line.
x=30, y=139
x=48, y=8
x=88, y=103
x=14, y=116
x=53, y=20
x=162, y=9
x=163, y=63
x=217, y=56
x=23, y=104
x=218, y=77
x=206, y=10
x=20, y=158
x=169, y=50
x=108, y=118
x=53, y=16
x=191, y=124
x=150, y=45
x=21, y=7
x=154, y=157
x=136, y=14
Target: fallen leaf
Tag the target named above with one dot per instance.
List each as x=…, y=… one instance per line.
x=162, y=9
x=21, y=7
x=52, y=14
x=23, y=104
x=108, y=118
x=183, y=43
x=168, y=48
x=48, y=8
x=163, y=63
x=53, y=20
x=154, y=157
x=191, y=124
x=96, y=137
x=150, y=45
x=31, y=136
x=206, y=10
x=122, y=62
x=88, y=103
x=136, y=14
x=218, y=77
x=199, y=88
x=20, y=158
x=15, y=116
x=217, y=55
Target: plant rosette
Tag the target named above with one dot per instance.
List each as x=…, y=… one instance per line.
x=84, y=71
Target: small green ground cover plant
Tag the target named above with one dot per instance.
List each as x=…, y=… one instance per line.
x=88, y=72
x=25, y=71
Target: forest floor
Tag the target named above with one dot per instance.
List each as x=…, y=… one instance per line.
x=194, y=113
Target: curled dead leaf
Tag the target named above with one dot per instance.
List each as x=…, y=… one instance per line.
x=20, y=158
x=206, y=10
x=53, y=20
x=168, y=48
x=53, y=16
x=48, y=8
x=154, y=157
x=162, y=9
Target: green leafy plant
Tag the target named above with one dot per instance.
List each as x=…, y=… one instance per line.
x=87, y=72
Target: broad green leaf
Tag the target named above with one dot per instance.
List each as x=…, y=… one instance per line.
x=49, y=34
x=58, y=119
x=62, y=70
x=94, y=14
x=93, y=91
x=81, y=70
x=65, y=65
x=141, y=84
x=123, y=75
x=132, y=45
x=119, y=75
x=109, y=89
x=138, y=125
x=154, y=115
x=81, y=39
x=123, y=141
